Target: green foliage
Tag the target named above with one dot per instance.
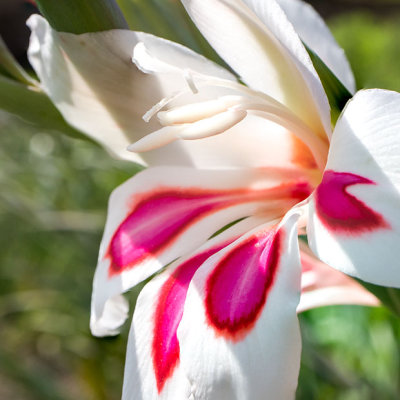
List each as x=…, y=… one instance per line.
x=169, y=20
x=389, y=297
x=52, y=211
x=80, y=16
x=372, y=48
x=337, y=94
x=349, y=353
x=9, y=66
x=31, y=104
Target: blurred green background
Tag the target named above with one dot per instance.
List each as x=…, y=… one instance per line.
x=53, y=198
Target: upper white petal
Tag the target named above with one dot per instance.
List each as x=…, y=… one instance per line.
x=316, y=35
x=260, y=44
x=154, y=54
x=93, y=82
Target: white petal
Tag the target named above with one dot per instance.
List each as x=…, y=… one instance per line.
x=90, y=80
x=322, y=285
x=164, y=212
x=251, y=354
x=355, y=213
x=268, y=55
x=115, y=313
x=93, y=82
x=153, y=369
x=252, y=143
x=316, y=35
x=154, y=54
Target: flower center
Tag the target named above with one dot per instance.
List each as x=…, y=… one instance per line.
x=199, y=120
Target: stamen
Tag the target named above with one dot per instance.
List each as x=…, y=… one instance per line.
x=198, y=130
x=154, y=140
x=194, y=121
x=196, y=111
x=189, y=80
x=285, y=118
x=159, y=106
x=212, y=126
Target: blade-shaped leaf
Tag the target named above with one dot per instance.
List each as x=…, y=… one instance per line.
x=77, y=16
x=9, y=66
x=337, y=94
x=167, y=19
x=33, y=106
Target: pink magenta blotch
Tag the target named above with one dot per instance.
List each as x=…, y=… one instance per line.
x=168, y=315
x=160, y=217
x=342, y=212
x=238, y=287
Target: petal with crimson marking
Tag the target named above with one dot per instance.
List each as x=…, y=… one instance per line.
x=153, y=369
x=239, y=334
x=162, y=213
x=354, y=223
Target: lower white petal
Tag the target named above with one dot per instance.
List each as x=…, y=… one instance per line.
x=153, y=369
x=164, y=212
x=239, y=334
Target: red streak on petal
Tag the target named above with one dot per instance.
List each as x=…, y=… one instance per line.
x=238, y=288
x=168, y=315
x=158, y=218
x=342, y=212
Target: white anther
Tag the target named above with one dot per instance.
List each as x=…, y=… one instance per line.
x=198, y=130
x=154, y=140
x=196, y=111
x=190, y=113
x=212, y=126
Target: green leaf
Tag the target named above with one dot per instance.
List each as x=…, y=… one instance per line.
x=80, y=16
x=9, y=66
x=167, y=19
x=32, y=105
x=337, y=94
x=390, y=297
